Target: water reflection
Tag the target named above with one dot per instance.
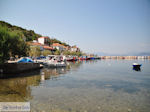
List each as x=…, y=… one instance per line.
x=137, y=69
x=17, y=87
x=52, y=73
x=75, y=65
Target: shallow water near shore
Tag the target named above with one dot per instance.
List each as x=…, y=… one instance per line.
x=88, y=86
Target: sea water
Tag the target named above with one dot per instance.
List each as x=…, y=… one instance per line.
x=83, y=86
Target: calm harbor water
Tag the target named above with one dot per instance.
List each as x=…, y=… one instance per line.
x=92, y=86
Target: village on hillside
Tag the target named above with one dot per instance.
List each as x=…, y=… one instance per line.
x=44, y=44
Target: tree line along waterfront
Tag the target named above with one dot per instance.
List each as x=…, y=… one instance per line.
x=17, y=41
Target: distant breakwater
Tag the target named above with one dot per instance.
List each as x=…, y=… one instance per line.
x=125, y=57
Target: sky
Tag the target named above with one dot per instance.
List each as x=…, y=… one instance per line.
x=96, y=26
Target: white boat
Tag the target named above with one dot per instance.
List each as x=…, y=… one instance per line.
x=41, y=61
x=136, y=65
x=56, y=61
x=55, y=64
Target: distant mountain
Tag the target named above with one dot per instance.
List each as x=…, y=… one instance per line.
x=143, y=54
x=129, y=54
x=108, y=54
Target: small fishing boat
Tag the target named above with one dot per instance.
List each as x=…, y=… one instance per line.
x=92, y=58
x=56, y=61
x=137, y=65
x=72, y=59
x=55, y=64
x=84, y=58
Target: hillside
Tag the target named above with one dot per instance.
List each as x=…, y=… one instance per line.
x=28, y=35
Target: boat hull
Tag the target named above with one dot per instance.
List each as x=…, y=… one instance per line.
x=71, y=59
x=137, y=66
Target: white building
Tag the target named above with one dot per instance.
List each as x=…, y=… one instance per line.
x=58, y=46
x=44, y=40
x=74, y=49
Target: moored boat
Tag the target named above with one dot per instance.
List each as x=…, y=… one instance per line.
x=136, y=65
x=22, y=65
x=56, y=61
x=92, y=58
x=55, y=64
x=71, y=59
x=84, y=58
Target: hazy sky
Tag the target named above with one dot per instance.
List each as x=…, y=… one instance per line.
x=110, y=26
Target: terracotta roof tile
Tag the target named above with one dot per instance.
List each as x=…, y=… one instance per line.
x=48, y=47
x=57, y=44
x=36, y=43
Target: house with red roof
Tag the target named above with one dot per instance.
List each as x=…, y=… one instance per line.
x=48, y=48
x=43, y=43
x=74, y=49
x=37, y=45
x=59, y=47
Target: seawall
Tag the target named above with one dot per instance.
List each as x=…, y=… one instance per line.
x=10, y=68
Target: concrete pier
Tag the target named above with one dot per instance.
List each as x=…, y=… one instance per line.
x=10, y=68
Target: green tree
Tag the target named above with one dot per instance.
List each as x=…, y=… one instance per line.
x=72, y=53
x=4, y=44
x=46, y=53
x=57, y=52
x=66, y=52
x=34, y=51
x=79, y=53
x=54, y=40
x=11, y=44
x=18, y=45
